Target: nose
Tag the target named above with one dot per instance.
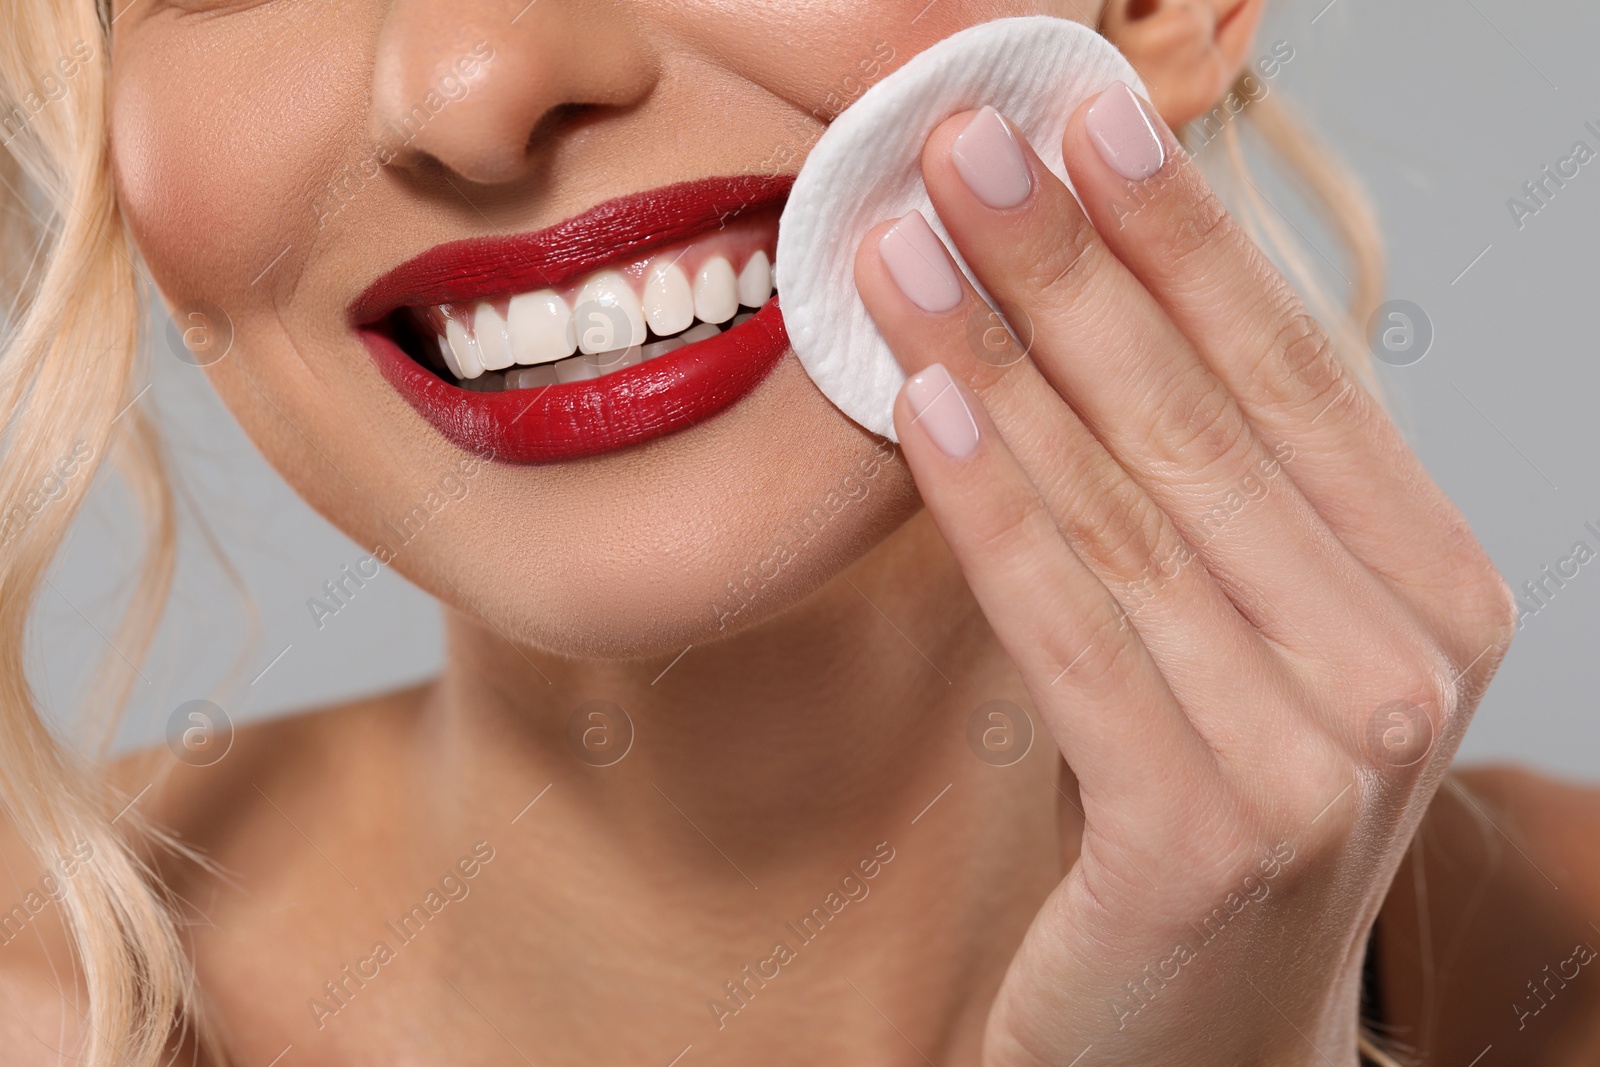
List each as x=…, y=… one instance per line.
x=468, y=83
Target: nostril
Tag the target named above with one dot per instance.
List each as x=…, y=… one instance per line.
x=554, y=122
x=1142, y=9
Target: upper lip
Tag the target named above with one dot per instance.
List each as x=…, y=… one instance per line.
x=484, y=267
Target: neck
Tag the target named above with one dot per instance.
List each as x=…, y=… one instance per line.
x=760, y=772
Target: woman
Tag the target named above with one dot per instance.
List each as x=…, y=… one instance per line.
x=728, y=762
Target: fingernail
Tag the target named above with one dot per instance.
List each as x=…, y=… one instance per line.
x=990, y=161
x=919, y=264
x=1123, y=134
x=941, y=411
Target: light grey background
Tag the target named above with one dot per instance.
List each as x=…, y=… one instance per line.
x=1444, y=107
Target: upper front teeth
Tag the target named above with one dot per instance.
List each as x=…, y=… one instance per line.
x=716, y=291
x=606, y=314
x=755, y=281
x=668, y=301
x=541, y=327
x=493, y=335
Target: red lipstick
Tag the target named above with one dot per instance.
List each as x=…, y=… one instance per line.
x=579, y=418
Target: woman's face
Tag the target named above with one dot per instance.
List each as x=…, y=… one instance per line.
x=277, y=159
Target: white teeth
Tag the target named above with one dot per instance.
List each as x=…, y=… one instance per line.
x=582, y=368
x=464, y=347
x=577, y=369
x=661, y=348
x=608, y=314
x=560, y=336
x=628, y=357
x=615, y=359
x=449, y=356
x=668, y=301
x=755, y=281
x=541, y=327
x=484, y=383
x=702, y=331
x=494, y=340
x=716, y=291
x=531, y=377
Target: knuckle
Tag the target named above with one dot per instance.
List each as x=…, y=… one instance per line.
x=1095, y=656
x=1493, y=614
x=1414, y=712
x=1127, y=534
x=1199, y=222
x=1059, y=266
x=1200, y=424
x=1479, y=611
x=1301, y=367
x=1009, y=525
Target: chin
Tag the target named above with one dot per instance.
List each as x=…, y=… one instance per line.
x=688, y=538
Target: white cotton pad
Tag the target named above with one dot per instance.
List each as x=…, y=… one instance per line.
x=865, y=169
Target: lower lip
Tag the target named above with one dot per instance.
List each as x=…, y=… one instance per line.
x=625, y=407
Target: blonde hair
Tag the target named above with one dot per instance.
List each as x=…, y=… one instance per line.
x=68, y=372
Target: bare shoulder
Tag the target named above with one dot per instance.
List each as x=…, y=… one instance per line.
x=205, y=806
x=1488, y=939
x=206, y=795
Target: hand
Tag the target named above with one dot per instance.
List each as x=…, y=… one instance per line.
x=1252, y=624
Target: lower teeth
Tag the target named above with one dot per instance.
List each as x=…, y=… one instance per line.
x=595, y=365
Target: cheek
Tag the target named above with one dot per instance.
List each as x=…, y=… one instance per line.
x=823, y=54
x=219, y=136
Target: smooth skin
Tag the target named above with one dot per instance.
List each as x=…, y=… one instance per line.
x=1224, y=726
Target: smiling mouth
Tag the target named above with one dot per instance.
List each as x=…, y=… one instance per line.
x=642, y=316
x=611, y=319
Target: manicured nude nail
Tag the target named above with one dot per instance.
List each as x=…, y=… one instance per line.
x=919, y=264
x=990, y=161
x=1123, y=134
x=941, y=411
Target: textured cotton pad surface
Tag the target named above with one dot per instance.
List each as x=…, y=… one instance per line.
x=865, y=169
